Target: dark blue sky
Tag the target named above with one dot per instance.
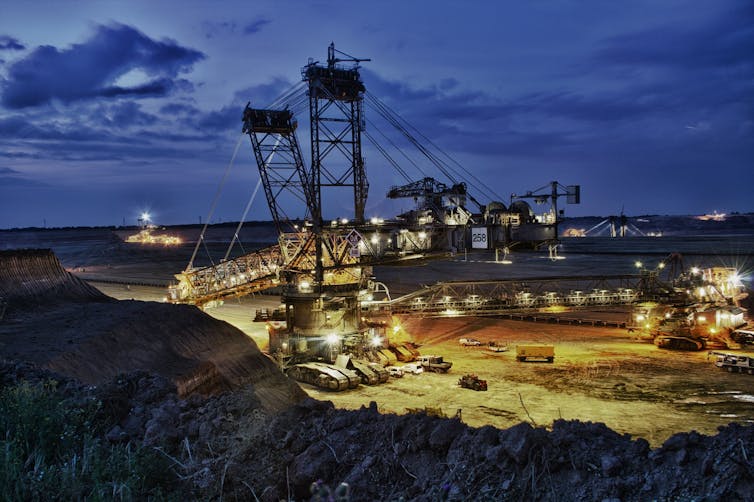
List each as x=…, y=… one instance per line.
x=111, y=108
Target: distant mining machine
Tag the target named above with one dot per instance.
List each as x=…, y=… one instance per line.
x=443, y=218
x=536, y=229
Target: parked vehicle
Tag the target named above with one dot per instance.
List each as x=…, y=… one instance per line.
x=435, y=363
x=395, y=371
x=469, y=342
x=679, y=342
x=535, y=353
x=734, y=363
x=471, y=381
x=412, y=368
x=497, y=347
x=743, y=336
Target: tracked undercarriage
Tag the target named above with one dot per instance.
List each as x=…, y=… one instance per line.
x=324, y=376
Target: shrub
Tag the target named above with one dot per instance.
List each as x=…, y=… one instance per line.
x=54, y=448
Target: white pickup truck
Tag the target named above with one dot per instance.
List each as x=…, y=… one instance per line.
x=733, y=362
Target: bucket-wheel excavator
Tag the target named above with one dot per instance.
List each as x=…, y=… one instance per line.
x=322, y=269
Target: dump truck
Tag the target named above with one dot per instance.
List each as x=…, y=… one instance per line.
x=473, y=382
x=543, y=353
x=733, y=363
x=435, y=363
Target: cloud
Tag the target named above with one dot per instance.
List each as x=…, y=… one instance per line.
x=120, y=131
x=680, y=75
x=255, y=26
x=155, y=88
x=726, y=42
x=16, y=127
x=595, y=126
x=228, y=117
x=90, y=69
x=127, y=114
x=178, y=109
x=223, y=119
x=594, y=106
x=12, y=178
x=10, y=44
x=214, y=28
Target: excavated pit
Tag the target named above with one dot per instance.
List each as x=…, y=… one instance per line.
x=60, y=322
x=228, y=446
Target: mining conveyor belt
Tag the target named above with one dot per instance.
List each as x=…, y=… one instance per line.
x=247, y=274
x=497, y=297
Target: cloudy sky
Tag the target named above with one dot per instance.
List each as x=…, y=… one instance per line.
x=110, y=108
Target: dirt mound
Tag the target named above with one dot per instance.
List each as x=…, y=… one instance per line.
x=196, y=351
x=34, y=277
x=61, y=323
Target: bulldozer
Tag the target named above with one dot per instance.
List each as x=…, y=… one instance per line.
x=473, y=382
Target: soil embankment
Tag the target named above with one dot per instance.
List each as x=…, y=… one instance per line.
x=58, y=321
x=32, y=278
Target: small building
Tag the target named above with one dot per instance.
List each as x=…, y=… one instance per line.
x=730, y=317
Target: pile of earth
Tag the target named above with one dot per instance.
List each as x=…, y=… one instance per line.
x=229, y=446
x=61, y=323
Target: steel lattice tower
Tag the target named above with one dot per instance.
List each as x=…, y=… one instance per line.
x=336, y=96
x=278, y=156
x=335, y=111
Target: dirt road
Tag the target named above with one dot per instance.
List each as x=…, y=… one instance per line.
x=599, y=375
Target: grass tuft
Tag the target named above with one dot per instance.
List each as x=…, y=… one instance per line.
x=53, y=448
